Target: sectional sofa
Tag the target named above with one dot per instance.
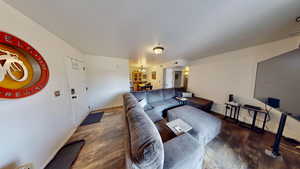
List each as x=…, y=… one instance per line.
x=144, y=146
x=159, y=101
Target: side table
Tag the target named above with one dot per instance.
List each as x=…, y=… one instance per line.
x=255, y=112
x=234, y=111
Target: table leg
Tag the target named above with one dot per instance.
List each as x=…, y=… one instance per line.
x=265, y=120
x=235, y=112
x=276, y=145
x=254, y=120
x=238, y=114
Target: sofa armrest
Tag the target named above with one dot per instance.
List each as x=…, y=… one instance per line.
x=183, y=151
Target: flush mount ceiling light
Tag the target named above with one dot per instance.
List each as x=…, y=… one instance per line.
x=158, y=50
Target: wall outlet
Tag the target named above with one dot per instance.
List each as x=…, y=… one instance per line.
x=26, y=166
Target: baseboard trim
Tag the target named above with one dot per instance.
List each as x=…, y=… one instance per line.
x=60, y=146
x=64, y=142
x=73, y=131
x=108, y=108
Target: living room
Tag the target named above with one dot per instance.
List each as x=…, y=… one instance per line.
x=157, y=85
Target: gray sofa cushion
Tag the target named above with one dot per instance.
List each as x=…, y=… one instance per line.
x=183, y=152
x=154, y=116
x=139, y=95
x=129, y=101
x=171, y=103
x=155, y=96
x=168, y=93
x=156, y=110
x=148, y=107
x=145, y=142
x=205, y=126
x=158, y=104
x=178, y=92
x=159, y=107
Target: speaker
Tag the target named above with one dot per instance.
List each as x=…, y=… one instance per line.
x=230, y=98
x=273, y=102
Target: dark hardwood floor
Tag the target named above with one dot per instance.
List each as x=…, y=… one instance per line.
x=251, y=146
x=104, y=148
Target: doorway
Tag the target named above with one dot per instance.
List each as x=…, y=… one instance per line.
x=177, y=79
x=77, y=88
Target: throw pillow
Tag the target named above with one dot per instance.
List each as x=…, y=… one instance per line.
x=143, y=102
x=187, y=94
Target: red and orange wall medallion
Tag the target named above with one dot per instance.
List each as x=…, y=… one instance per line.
x=23, y=71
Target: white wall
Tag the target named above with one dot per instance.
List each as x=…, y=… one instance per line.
x=216, y=77
x=158, y=82
x=32, y=129
x=108, y=79
x=159, y=69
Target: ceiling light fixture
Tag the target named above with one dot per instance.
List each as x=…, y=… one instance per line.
x=142, y=69
x=158, y=50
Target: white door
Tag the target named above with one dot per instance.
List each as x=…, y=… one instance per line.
x=168, y=78
x=76, y=73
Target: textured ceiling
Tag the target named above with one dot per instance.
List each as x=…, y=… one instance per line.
x=187, y=29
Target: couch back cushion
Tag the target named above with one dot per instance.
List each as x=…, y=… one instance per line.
x=139, y=95
x=169, y=93
x=129, y=101
x=146, y=147
x=178, y=91
x=155, y=96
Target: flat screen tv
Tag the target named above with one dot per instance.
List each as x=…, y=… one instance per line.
x=278, y=78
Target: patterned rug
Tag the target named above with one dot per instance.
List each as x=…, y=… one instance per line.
x=219, y=155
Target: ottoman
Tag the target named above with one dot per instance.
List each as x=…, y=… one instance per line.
x=205, y=126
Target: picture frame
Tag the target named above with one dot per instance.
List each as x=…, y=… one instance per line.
x=153, y=74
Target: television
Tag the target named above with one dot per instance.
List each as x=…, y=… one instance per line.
x=278, y=82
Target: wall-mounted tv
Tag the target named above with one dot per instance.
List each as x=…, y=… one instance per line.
x=279, y=78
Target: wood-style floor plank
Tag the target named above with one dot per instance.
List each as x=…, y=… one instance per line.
x=104, y=148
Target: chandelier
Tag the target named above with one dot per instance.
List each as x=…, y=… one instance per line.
x=142, y=69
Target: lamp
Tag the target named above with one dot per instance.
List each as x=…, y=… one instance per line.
x=158, y=50
x=186, y=71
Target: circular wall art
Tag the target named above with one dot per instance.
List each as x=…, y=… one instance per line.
x=23, y=71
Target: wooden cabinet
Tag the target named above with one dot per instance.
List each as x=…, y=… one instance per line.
x=136, y=80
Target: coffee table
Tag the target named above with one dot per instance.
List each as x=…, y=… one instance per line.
x=181, y=100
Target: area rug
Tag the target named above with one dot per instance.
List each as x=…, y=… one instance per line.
x=219, y=155
x=66, y=156
x=92, y=118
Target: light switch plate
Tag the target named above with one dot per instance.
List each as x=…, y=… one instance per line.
x=57, y=93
